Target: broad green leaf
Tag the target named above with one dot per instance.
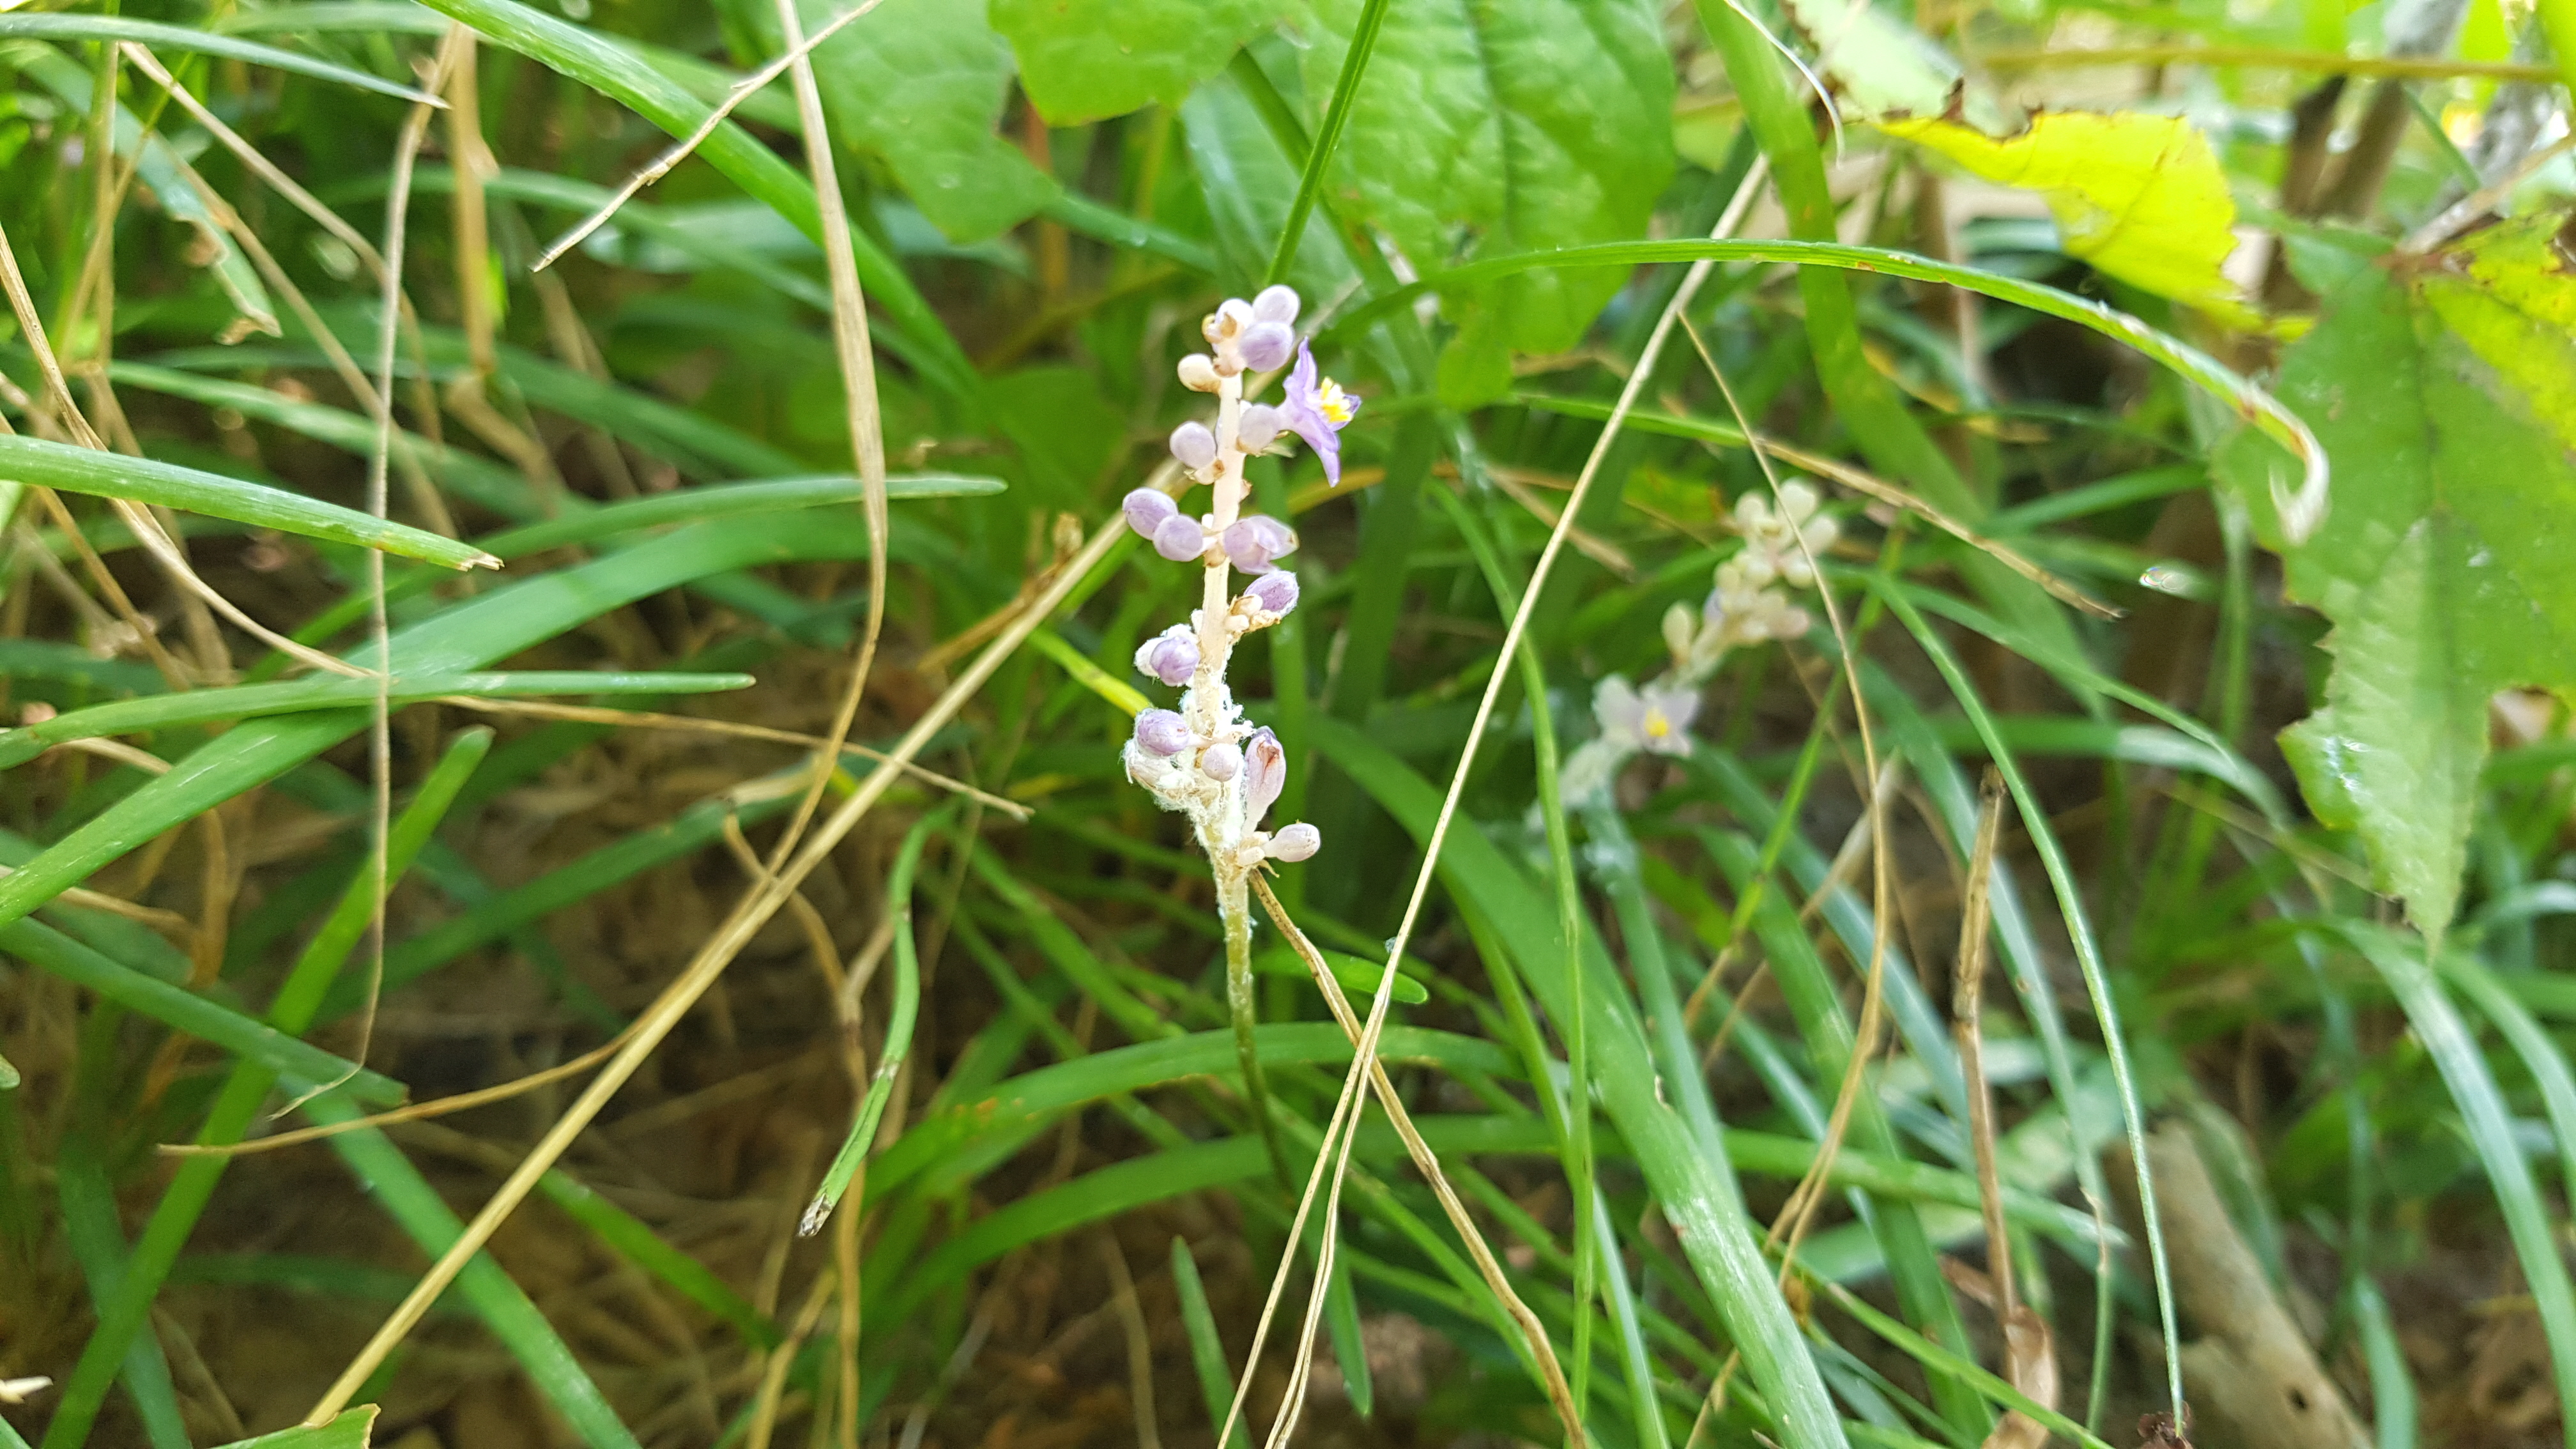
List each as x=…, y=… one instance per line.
x=1524, y=124
x=920, y=83
x=349, y=1431
x=2139, y=197
x=1083, y=60
x=2448, y=563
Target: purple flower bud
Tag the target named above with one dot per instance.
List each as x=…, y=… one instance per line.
x=1275, y=304
x=1222, y=761
x=1179, y=538
x=1254, y=541
x=1273, y=593
x=1296, y=842
x=1194, y=445
x=1268, y=346
x=1267, y=766
x=1171, y=656
x=1259, y=424
x=1162, y=732
x=1146, y=509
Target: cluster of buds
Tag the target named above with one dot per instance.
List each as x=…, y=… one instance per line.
x=1751, y=601
x=1204, y=759
x=1749, y=604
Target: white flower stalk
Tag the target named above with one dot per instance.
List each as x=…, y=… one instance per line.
x=1205, y=759
x=1749, y=603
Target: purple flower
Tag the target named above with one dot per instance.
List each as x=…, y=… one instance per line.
x=1656, y=719
x=1171, y=656
x=1193, y=445
x=1252, y=542
x=1276, y=303
x=1146, y=508
x=1273, y=593
x=1162, y=732
x=1259, y=424
x=1268, y=774
x=1179, y=538
x=1317, y=410
x=1296, y=842
x=1266, y=344
x=1222, y=762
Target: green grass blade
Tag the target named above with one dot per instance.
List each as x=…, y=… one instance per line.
x=2088, y=959
x=348, y=1431
x=2186, y=361
x=165, y=1234
x=726, y=500
x=634, y=1239
x=2392, y=1383
x=1319, y=155
x=252, y=701
x=98, y=1245
x=1634, y=1355
x=1207, y=1351
x=2540, y=1055
x=2489, y=1124
x=110, y=28
x=473, y=478
x=612, y=70
x=898, y=1037
x=186, y=1012
x=939, y=1145
x=621, y=860
x=465, y=635
x=390, y=1178
x=1698, y=1195
x=141, y=480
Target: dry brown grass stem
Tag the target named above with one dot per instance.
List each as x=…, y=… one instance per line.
x=1427, y=1162
x=747, y=917
x=743, y=90
x=866, y=421
x=415, y=1112
x=380, y=739
x=169, y=923
x=773, y=1379
x=1140, y=1343
x=1966, y=1024
x=647, y=719
x=1862, y=481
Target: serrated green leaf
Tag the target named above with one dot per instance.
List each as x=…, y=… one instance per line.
x=920, y=83
x=1084, y=60
x=1528, y=124
x=2448, y=563
x=2140, y=197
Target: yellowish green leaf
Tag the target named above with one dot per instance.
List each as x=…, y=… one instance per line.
x=2139, y=197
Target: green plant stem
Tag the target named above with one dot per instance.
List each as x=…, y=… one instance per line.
x=898, y=1039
